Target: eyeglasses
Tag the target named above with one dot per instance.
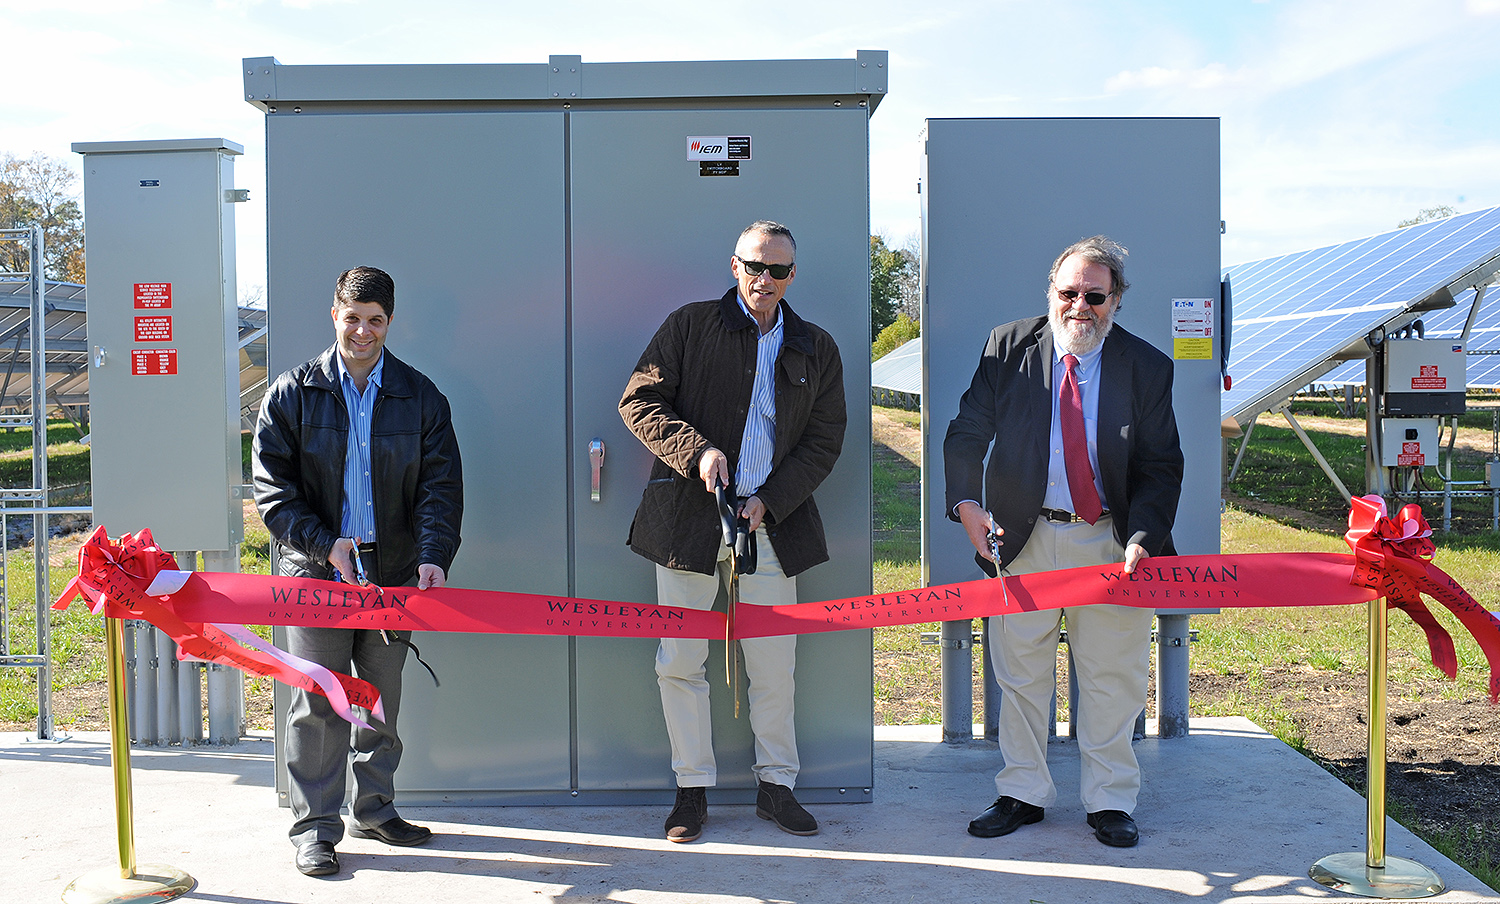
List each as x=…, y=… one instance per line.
x=756, y=268
x=1093, y=298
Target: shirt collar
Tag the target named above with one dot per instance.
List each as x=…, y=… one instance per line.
x=1086, y=361
x=746, y=308
x=375, y=374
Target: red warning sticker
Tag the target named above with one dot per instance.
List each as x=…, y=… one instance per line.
x=1429, y=382
x=150, y=362
x=153, y=295
x=1411, y=454
x=153, y=329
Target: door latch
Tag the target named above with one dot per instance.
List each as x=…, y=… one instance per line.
x=596, y=465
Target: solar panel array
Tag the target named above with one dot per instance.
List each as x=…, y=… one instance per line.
x=1297, y=314
x=899, y=369
x=1483, y=369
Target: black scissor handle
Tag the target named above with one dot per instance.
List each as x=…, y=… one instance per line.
x=728, y=516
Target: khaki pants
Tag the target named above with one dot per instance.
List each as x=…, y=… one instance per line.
x=769, y=664
x=1110, y=647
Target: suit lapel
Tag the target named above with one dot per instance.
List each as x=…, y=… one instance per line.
x=1040, y=397
x=1115, y=406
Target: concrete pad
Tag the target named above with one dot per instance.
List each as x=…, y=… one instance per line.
x=1227, y=814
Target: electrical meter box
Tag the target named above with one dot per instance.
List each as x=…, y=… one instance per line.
x=164, y=380
x=1408, y=442
x=1424, y=377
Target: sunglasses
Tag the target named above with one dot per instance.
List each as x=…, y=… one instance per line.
x=1093, y=298
x=756, y=268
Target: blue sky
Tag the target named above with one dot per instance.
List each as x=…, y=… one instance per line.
x=1339, y=118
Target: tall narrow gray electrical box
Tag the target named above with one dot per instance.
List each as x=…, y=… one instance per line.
x=1000, y=199
x=163, y=340
x=540, y=221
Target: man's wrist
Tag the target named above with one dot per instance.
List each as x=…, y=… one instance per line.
x=960, y=504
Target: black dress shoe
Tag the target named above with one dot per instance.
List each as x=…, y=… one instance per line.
x=395, y=831
x=1004, y=816
x=317, y=858
x=1115, y=828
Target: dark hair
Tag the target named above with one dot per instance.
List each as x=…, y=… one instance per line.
x=770, y=227
x=366, y=284
x=1097, y=249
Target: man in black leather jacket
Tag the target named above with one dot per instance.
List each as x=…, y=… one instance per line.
x=355, y=448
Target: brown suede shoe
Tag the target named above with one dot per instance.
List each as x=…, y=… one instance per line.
x=776, y=803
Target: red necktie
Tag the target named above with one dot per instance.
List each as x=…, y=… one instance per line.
x=1076, y=446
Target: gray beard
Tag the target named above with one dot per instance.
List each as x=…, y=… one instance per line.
x=1071, y=343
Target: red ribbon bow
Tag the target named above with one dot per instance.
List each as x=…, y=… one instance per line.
x=114, y=577
x=1394, y=557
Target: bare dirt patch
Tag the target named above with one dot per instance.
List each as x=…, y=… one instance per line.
x=1442, y=755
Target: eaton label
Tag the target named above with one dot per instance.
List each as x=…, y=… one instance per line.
x=718, y=147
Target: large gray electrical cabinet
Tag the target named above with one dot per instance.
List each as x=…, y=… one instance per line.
x=540, y=222
x=163, y=340
x=1000, y=199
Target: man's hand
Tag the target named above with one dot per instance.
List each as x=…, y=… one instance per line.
x=430, y=576
x=754, y=511
x=713, y=468
x=976, y=522
x=1134, y=553
x=341, y=558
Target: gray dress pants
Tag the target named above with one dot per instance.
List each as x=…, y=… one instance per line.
x=321, y=746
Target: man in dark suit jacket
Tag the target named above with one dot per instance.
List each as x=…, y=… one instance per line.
x=1085, y=469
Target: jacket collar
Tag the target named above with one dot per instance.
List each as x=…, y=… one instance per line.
x=324, y=374
x=794, y=332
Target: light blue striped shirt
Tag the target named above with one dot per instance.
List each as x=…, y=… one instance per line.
x=359, y=501
x=1059, y=496
x=758, y=445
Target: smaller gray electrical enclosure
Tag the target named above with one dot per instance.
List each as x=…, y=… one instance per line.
x=1425, y=377
x=163, y=341
x=1408, y=442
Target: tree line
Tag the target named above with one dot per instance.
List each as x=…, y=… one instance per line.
x=38, y=190
x=895, y=294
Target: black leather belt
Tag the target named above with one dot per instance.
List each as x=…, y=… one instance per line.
x=1059, y=516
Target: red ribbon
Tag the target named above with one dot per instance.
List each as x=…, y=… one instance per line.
x=1391, y=558
x=1394, y=557
x=114, y=577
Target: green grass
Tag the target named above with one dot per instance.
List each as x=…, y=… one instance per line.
x=77, y=639
x=1278, y=469
x=903, y=683
x=1333, y=638
x=67, y=458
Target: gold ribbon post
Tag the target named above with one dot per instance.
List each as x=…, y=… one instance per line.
x=1371, y=873
x=126, y=883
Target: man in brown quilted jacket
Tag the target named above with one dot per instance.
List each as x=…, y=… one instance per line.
x=738, y=391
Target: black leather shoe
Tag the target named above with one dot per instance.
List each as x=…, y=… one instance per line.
x=1115, y=828
x=395, y=831
x=317, y=858
x=776, y=803
x=689, y=813
x=1004, y=816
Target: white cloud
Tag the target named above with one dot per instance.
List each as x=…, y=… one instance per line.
x=1212, y=76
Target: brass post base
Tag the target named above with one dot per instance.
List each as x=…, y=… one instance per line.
x=1400, y=878
x=151, y=882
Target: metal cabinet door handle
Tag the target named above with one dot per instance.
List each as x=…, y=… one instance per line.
x=596, y=465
